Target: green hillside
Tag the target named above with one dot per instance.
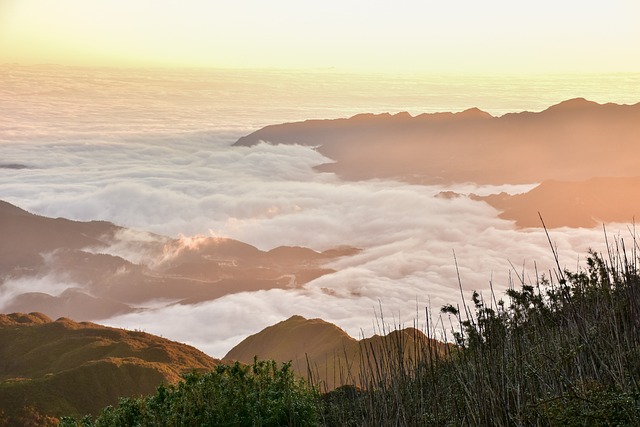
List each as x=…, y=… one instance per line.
x=63, y=367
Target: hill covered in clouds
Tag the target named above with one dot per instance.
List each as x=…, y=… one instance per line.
x=573, y=140
x=95, y=270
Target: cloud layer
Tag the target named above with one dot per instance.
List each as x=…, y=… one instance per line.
x=137, y=172
x=270, y=196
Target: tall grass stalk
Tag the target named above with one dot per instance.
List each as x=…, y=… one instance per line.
x=561, y=350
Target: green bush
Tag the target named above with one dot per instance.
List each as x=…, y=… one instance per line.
x=260, y=395
x=592, y=405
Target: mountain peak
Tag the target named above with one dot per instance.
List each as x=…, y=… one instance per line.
x=295, y=318
x=573, y=104
x=474, y=112
x=404, y=115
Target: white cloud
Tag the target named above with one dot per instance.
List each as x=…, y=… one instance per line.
x=151, y=164
x=50, y=284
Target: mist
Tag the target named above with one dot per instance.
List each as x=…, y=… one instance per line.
x=144, y=174
x=270, y=196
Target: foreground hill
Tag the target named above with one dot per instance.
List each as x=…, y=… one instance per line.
x=334, y=357
x=571, y=204
x=64, y=367
x=573, y=140
x=95, y=270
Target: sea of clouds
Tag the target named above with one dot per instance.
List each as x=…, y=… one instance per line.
x=138, y=166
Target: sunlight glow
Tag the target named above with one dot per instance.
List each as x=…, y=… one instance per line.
x=412, y=36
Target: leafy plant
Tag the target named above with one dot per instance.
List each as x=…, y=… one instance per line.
x=261, y=394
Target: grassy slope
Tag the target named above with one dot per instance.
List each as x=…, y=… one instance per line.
x=64, y=367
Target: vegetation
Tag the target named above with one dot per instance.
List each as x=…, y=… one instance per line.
x=562, y=351
x=231, y=395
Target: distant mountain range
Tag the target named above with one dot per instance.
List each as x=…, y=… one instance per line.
x=64, y=367
x=573, y=140
x=328, y=354
x=571, y=204
x=80, y=263
x=583, y=153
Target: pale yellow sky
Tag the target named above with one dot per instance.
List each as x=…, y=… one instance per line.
x=464, y=36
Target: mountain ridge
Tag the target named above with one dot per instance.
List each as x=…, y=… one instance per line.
x=573, y=140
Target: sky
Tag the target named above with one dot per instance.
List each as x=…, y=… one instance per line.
x=492, y=36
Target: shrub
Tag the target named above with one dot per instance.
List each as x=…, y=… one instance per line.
x=231, y=395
